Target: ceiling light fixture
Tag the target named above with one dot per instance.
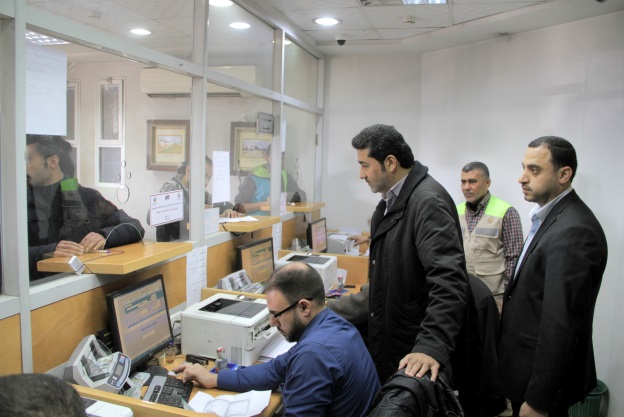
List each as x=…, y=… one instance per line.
x=327, y=21
x=240, y=25
x=39, y=39
x=220, y=3
x=140, y=31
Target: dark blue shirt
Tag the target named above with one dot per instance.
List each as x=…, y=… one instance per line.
x=327, y=373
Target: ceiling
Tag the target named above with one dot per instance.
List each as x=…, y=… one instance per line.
x=381, y=26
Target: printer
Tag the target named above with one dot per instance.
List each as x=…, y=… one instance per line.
x=240, y=325
x=325, y=265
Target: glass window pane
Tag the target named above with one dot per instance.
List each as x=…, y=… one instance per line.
x=300, y=152
x=110, y=109
x=170, y=22
x=109, y=164
x=245, y=54
x=300, y=73
x=71, y=111
x=112, y=184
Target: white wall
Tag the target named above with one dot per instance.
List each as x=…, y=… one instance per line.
x=486, y=101
x=361, y=91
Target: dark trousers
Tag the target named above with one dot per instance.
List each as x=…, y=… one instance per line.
x=557, y=411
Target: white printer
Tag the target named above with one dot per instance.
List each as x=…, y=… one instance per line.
x=241, y=326
x=325, y=265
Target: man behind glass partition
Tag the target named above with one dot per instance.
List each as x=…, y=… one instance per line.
x=255, y=191
x=65, y=218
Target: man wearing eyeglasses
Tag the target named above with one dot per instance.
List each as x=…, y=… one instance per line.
x=329, y=372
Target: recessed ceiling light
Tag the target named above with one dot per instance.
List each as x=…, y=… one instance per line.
x=139, y=31
x=327, y=21
x=220, y=3
x=240, y=25
x=39, y=39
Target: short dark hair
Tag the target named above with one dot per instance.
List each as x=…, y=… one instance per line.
x=562, y=152
x=297, y=283
x=49, y=145
x=383, y=140
x=38, y=395
x=471, y=166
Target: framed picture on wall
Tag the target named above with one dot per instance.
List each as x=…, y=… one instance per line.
x=168, y=143
x=247, y=147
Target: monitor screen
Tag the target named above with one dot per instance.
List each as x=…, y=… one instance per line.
x=139, y=319
x=317, y=236
x=257, y=259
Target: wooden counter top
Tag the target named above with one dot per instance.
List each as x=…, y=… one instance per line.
x=120, y=260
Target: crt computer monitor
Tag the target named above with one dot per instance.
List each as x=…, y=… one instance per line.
x=139, y=318
x=256, y=258
x=317, y=236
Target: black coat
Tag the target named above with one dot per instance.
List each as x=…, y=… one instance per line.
x=417, y=274
x=73, y=215
x=546, y=357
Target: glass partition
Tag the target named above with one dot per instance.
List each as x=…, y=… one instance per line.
x=300, y=149
x=244, y=51
x=99, y=181
x=170, y=24
x=300, y=73
x=231, y=128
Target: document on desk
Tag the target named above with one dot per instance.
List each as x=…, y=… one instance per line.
x=277, y=346
x=241, y=405
x=237, y=219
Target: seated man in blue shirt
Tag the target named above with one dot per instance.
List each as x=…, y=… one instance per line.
x=327, y=373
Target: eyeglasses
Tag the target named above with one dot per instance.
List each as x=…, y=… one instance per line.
x=290, y=307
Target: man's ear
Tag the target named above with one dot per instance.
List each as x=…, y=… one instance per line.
x=565, y=175
x=391, y=163
x=53, y=161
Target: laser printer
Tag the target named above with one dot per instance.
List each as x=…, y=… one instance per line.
x=325, y=265
x=239, y=324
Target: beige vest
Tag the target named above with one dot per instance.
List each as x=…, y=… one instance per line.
x=485, y=255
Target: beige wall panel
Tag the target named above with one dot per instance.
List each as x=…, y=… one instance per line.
x=10, y=348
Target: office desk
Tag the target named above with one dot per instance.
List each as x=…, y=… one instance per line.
x=142, y=408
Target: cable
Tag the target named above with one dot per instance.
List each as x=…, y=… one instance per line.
x=121, y=224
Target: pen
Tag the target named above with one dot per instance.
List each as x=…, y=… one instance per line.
x=102, y=251
x=185, y=405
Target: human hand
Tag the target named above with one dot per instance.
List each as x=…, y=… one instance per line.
x=358, y=239
x=231, y=214
x=196, y=372
x=67, y=248
x=93, y=241
x=417, y=364
x=527, y=411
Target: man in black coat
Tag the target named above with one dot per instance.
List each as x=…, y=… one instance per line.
x=417, y=290
x=546, y=356
x=64, y=218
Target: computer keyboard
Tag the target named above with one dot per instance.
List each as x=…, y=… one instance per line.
x=168, y=391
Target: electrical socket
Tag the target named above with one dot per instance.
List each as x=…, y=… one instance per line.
x=177, y=329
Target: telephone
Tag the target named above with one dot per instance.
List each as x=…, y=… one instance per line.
x=93, y=365
x=239, y=281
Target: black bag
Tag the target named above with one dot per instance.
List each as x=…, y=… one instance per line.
x=405, y=396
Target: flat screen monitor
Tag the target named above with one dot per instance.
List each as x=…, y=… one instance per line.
x=139, y=318
x=317, y=236
x=257, y=259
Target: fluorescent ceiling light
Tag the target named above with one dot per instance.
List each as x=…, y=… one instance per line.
x=140, y=31
x=220, y=3
x=39, y=39
x=240, y=25
x=327, y=21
